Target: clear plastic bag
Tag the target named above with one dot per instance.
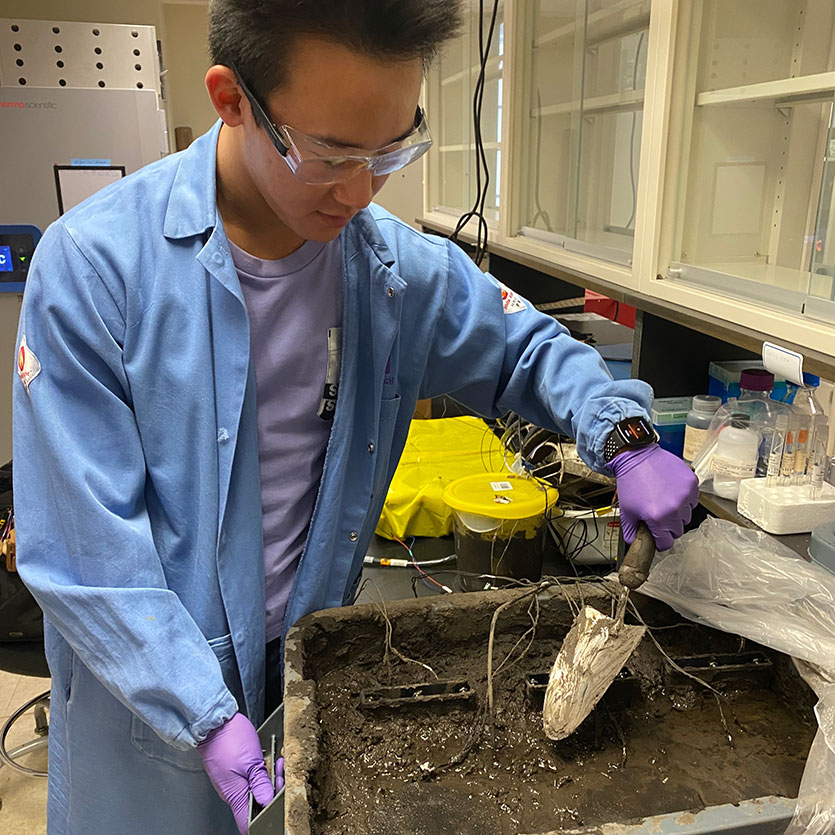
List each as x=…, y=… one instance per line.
x=746, y=582
x=760, y=416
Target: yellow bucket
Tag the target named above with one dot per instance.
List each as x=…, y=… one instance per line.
x=499, y=527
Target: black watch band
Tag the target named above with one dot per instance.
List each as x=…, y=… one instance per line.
x=630, y=433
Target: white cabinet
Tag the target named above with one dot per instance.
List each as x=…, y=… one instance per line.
x=753, y=166
x=683, y=150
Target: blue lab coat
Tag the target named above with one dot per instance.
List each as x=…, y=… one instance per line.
x=136, y=466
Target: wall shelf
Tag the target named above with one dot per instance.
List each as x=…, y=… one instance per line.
x=488, y=146
x=817, y=87
x=600, y=25
x=615, y=102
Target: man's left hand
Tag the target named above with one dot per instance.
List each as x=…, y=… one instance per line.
x=656, y=487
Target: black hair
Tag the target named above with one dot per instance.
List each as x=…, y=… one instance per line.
x=256, y=36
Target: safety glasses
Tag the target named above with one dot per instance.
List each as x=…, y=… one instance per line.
x=320, y=163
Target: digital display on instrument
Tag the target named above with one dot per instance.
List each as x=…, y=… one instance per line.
x=17, y=246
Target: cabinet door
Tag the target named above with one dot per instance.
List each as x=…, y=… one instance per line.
x=753, y=212
x=453, y=181
x=584, y=72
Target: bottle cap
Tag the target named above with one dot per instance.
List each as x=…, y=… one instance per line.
x=739, y=420
x=706, y=403
x=812, y=381
x=756, y=379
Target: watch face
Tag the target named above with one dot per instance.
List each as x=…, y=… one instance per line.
x=636, y=431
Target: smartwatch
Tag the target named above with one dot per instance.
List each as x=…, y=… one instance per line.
x=630, y=433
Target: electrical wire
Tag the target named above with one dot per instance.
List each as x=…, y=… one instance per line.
x=420, y=571
x=540, y=212
x=632, y=137
x=477, y=211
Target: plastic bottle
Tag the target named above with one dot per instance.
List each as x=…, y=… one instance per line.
x=808, y=412
x=755, y=387
x=735, y=458
x=698, y=420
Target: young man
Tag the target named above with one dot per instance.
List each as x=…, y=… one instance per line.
x=219, y=358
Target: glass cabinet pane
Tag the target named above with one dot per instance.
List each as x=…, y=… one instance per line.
x=453, y=181
x=822, y=278
x=585, y=74
x=756, y=156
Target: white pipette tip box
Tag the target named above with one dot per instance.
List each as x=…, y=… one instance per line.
x=785, y=510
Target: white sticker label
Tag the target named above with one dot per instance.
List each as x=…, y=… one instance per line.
x=729, y=468
x=500, y=486
x=510, y=301
x=694, y=439
x=783, y=363
x=28, y=366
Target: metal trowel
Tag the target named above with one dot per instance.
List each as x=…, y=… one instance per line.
x=596, y=648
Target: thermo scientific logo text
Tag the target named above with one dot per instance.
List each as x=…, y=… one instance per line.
x=24, y=105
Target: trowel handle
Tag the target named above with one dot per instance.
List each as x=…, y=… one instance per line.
x=636, y=562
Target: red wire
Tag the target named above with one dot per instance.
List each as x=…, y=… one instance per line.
x=419, y=569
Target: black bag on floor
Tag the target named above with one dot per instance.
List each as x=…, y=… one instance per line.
x=20, y=616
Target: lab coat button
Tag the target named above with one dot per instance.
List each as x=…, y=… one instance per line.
x=353, y=536
x=371, y=447
x=390, y=292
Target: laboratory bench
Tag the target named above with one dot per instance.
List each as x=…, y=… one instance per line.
x=392, y=583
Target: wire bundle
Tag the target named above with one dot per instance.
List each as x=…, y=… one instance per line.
x=481, y=167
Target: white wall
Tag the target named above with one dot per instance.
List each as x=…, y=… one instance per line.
x=402, y=194
x=186, y=55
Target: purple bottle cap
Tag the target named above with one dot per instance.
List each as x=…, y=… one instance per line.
x=756, y=379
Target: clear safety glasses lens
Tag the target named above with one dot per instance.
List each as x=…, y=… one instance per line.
x=325, y=170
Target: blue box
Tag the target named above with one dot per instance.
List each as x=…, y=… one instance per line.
x=669, y=418
x=723, y=379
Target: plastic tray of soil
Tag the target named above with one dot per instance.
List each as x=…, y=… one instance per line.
x=662, y=752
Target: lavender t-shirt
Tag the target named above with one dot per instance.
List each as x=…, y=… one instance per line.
x=295, y=313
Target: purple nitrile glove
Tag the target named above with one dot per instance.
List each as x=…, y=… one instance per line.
x=656, y=487
x=233, y=760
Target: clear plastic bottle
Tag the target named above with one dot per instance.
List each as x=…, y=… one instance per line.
x=698, y=421
x=735, y=458
x=755, y=387
x=808, y=413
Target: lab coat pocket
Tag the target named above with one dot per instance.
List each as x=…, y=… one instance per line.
x=145, y=738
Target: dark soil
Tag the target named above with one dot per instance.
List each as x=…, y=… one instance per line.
x=652, y=746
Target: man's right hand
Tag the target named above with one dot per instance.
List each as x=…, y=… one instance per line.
x=233, y=760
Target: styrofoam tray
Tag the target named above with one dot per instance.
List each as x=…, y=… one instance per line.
x=784, y=510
